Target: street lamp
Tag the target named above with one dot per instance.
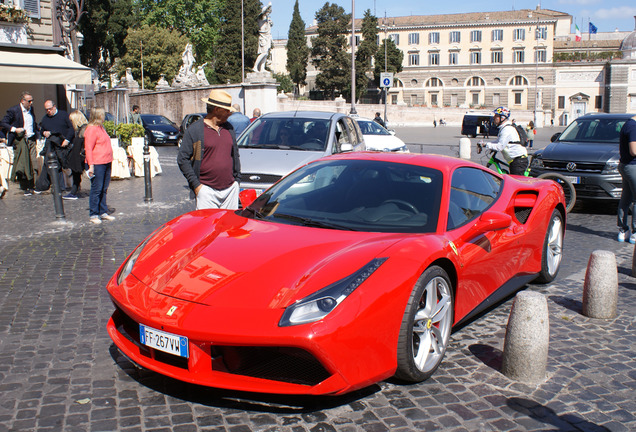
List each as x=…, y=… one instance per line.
x=353, y=57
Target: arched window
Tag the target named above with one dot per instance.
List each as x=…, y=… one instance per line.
x=434, y=82
x=518, y=80
x=475, y=82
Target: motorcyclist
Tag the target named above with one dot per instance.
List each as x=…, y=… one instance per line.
x=508, y=142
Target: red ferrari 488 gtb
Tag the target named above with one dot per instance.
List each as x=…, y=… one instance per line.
x=351, y=269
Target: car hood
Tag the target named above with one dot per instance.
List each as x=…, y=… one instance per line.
x=383, y=142
x=218, y=257
x=580, y=152
x=163, y=128
x=274, y=161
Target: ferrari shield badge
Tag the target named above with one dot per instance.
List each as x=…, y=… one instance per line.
x=171, y=310
x=453, y=247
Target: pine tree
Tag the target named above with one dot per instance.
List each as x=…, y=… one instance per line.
x=394, y=58
x=365, y=52
x=329, y=57
x=297, y=50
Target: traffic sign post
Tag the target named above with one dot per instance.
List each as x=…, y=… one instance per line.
x=386, y=81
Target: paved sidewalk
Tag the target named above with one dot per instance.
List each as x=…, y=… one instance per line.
x=59, y=370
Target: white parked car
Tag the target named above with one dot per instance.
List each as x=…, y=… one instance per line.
x=378, y=138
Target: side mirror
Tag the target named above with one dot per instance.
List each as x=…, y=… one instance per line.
x=492, y=221
x=247, y=197
x=554, y=137
x=346, y=147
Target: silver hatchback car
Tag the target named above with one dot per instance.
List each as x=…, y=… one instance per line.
x=277, y=143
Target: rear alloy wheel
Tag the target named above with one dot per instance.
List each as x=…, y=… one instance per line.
x=552, y=249
x=426, y=326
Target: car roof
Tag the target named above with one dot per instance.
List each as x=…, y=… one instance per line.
x=605, y=116
x=321, y=115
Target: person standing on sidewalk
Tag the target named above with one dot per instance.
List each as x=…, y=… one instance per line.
x=20, y=120
x=76, y=159
x=55, y=122
x=209, y=156
x=99, y=156
x=627, y=168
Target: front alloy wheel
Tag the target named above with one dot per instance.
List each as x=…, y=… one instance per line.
x=426, y=326
x=552, y=249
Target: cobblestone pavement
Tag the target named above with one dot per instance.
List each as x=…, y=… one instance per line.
x=59, y=370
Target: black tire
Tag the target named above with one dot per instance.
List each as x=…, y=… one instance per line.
x=552, y=249
x=425, y=322
x=568, y=188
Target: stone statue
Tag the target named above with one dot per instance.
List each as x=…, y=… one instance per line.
x=162, y=84
x=203, y=80
x=188, y=59
x=186, y=76
x=264, y=38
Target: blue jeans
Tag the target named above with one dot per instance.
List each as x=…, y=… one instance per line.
x=628, y=196
x=99, y=187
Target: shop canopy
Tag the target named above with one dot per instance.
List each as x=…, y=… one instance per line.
x=41, y=68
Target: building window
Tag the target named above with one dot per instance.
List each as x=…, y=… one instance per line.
x=414, y=59
x=475, y=82
x=357, y=40
x=497, y=35
x=434, y=99
x=517, y=98
x=475, y=57
x=519, y=56
x=475, y=36
x=433, y=38
x=31, y=7
x=561, y=102
x=541, y=33
x=496, y=57
x=475, y=98
x=540, y=56
x=434, y=82
x=395, y=37
x=455, y=37
x=433, y=59
x=520, y=81
x=454, y=100
x=496, y=99
x=598, y=102
x=453, y=58
x=414, y=38
x=519, y=34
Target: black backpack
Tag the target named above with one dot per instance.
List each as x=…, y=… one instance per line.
x=523, y=136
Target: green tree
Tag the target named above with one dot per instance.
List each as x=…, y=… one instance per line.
x=105, y=27
x=394, y=58
x=285, y=83
x=162, y=50
x=199, y=20
x=227, y=51
x=329, y=57
x=366, y=52
x=297, y=50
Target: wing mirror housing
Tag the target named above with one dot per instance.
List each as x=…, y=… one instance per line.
x=247, y=197
x=346, y=147
x=554, y=137
x=492, y=221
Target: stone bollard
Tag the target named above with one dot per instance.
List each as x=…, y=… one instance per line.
x=464, y=148
x=600, y=291
x=525, y=356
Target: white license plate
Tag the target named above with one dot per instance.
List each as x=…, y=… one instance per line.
x=166, y=342
x=573, y=179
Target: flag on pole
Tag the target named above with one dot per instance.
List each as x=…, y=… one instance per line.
x=577, y=36
x=593, y=28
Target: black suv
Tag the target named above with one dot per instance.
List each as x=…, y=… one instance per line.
x=586, y=152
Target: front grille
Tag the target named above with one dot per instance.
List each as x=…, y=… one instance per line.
x=581, y=167
x=262, y=178
x=285, y=364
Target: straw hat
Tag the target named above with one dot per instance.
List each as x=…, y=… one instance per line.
x=219, y=98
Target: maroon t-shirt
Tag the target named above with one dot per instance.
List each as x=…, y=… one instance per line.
x=217, y=166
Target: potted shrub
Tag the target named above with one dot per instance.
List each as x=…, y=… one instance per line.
x=127, y=131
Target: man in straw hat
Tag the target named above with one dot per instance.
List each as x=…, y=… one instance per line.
x=209, y=156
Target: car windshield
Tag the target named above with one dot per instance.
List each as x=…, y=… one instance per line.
x=286, y=133
x=598, y=130
x=372, y=128
x=354, y=195
x=156, y=120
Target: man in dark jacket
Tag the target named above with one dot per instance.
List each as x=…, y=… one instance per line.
x=20, y=120
x=209, y=156
x=55, y=123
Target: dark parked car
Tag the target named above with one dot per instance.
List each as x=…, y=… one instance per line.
x=587, y=154
x=187, y=121
x=159, y=130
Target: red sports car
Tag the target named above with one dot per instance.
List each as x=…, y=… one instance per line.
x=352, y=269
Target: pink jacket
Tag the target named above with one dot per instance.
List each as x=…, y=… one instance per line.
x=97, y=144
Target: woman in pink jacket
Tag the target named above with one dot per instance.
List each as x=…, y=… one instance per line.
x=99, y=157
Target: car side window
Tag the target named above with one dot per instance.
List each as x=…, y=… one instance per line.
x=472, y=191
x=342, y=136
x=356, y=134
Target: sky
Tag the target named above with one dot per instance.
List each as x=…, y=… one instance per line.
x=606, y=16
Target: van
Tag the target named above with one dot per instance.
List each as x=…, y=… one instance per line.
x=473, y=124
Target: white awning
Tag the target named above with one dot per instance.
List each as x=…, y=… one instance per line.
x=41, y=68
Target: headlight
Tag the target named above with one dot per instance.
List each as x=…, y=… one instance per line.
x=318, y=305
x=132, y=258
x=611, y=167
x=158, y=134
x=537, y=162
